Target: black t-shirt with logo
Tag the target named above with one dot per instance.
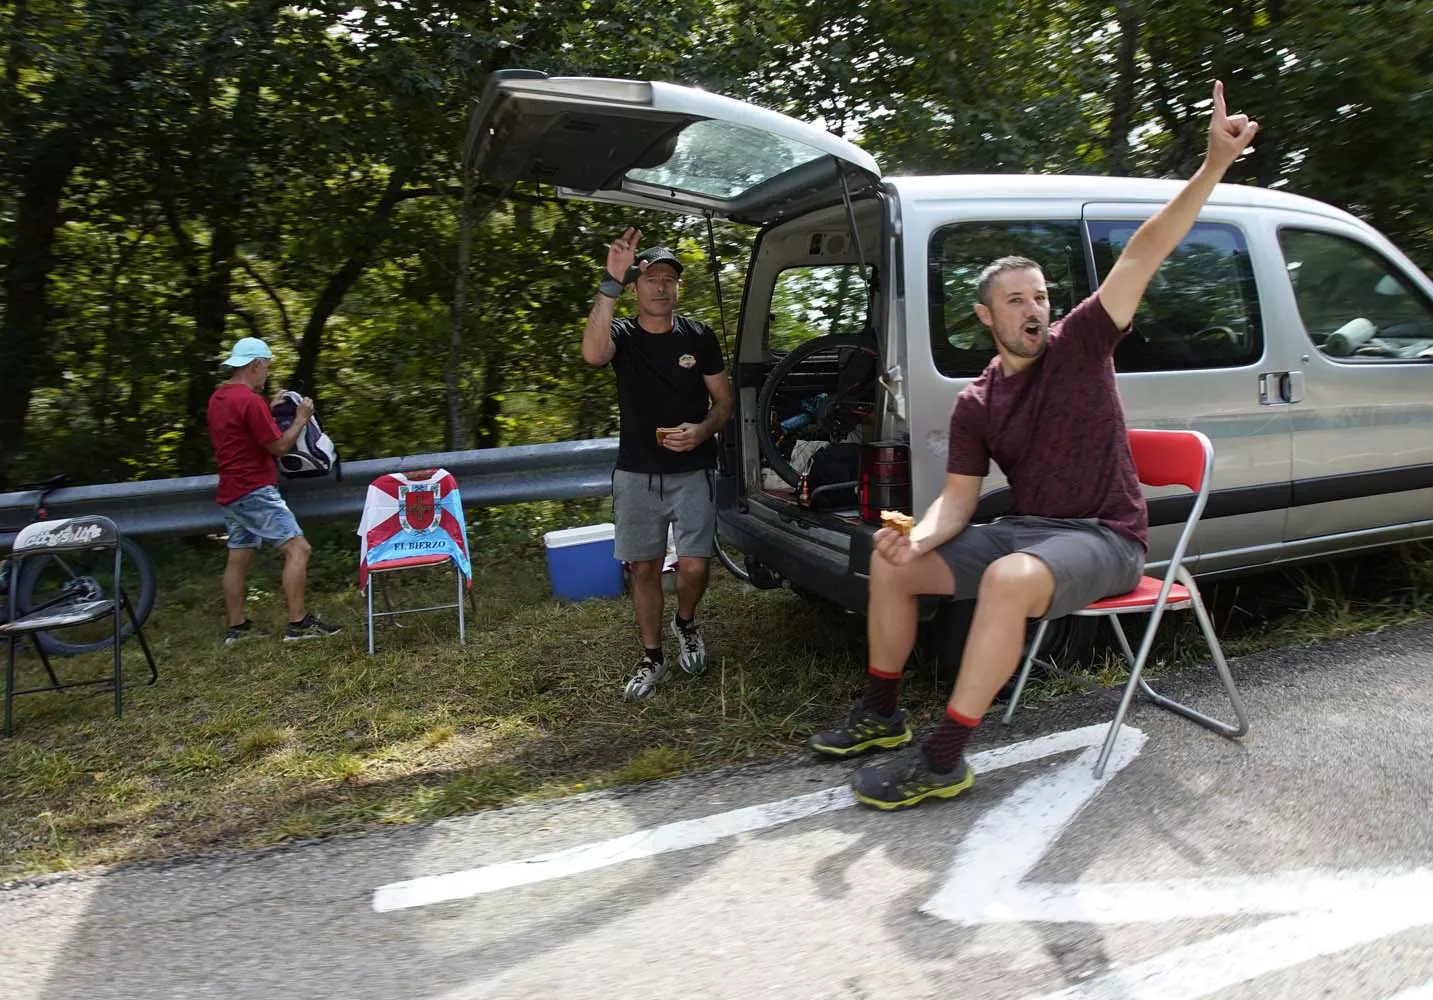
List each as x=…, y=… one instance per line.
x=661, y=383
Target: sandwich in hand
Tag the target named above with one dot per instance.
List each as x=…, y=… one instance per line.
x=895, y=519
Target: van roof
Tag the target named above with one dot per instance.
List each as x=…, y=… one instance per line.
x=1087, y=187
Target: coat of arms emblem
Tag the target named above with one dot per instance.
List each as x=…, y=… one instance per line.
x=418, y=507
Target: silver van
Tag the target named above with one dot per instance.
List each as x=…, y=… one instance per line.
x=1294, y=335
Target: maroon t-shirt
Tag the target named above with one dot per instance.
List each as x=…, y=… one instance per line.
x=1056, y=429
x=240, y=425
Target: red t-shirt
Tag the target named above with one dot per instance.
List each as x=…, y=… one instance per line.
x=1056, y=429
x=240, y=425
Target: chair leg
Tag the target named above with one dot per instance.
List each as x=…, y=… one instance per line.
x=9, y=681
x=115, y=641
x=1136, y=667
x=369, y=592
x=1024, y=672
x=45, y=660
x=143, y=644
x=1234, y=729
x=462, y=625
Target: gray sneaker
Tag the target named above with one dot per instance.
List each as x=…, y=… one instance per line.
x=310, y=627
x=236, y=634
x=693, y=651
x=649, y=674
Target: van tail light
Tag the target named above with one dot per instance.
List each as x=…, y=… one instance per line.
x=885, y=481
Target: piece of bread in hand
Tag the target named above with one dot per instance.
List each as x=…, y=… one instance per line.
x=895, y=519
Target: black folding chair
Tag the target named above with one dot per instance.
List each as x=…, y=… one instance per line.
x=49, y=539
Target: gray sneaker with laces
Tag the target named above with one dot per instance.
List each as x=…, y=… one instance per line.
x=236, y=634
x=649, y=674
x=310, y=627
x=693, y=651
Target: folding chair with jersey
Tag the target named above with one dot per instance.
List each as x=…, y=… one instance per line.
x=72, y=607
x=1161, y=458
x=411, y=521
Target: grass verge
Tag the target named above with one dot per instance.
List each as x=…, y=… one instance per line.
x=266, y=741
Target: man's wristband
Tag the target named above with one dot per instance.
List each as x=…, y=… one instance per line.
x=610, y=286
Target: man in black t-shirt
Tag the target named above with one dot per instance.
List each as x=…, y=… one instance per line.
x=673, y=396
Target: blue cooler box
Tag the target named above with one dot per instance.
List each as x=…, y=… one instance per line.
x=581, y=564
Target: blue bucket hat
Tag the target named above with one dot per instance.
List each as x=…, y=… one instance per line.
x=246, y=350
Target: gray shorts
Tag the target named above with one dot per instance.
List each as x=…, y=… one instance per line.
x=643, y=504
x=1089, y=561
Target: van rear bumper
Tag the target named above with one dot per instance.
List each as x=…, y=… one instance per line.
x=830, y=562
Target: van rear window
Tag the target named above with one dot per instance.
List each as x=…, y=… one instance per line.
x=960, y=343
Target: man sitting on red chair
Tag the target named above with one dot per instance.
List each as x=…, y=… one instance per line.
x=1048, y=412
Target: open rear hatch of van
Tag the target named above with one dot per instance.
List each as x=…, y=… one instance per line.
x=658, y=145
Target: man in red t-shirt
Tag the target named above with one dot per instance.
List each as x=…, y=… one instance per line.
x=1048, y=412
x=246, y=442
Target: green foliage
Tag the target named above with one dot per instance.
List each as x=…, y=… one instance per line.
x=179, y=174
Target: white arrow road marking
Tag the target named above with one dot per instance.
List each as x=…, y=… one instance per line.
x=1329, y=911
x=1199, y=970
x=684, y=834
x=1006, y=842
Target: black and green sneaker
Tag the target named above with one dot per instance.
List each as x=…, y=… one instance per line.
x=862, y=732
x=908, y=781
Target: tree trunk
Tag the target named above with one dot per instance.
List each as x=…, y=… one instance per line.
x=467, y=226
x=1126, y=81
x=27, y=305
x=211, y=313
x=487, y=432
x=305, y=377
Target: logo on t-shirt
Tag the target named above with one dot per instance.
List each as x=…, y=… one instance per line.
x=686, y=361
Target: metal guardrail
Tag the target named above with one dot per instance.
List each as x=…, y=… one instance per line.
x=489, y=477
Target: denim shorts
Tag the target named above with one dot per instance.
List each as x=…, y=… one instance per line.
x=259, y=517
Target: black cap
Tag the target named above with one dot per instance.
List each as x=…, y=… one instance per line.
x=659, y=255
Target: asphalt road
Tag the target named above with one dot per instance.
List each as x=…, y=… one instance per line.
x=1297, y=863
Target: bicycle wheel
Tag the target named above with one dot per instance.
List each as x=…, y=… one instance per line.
x=86, y=576
x=819, y=391
x=726, y=559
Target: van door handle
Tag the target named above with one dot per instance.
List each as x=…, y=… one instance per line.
x=1280, y=388
x=1293, y=387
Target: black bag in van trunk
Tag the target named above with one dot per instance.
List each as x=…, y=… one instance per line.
x=837, y=466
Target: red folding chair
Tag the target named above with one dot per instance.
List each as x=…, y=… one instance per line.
x=1162, y=458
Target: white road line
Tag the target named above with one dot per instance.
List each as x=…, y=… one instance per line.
x=704, y=830
x=1193, y=899
x=1217, y=963
x=589, y=857
x=1010, y=839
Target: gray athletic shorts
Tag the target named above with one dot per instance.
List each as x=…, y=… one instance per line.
x=1089, y=560
x=643, y=504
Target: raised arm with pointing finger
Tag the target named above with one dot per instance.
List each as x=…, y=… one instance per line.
x=1123, y=287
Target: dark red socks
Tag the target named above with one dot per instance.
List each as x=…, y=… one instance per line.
x=882, y=691
x=944, y=748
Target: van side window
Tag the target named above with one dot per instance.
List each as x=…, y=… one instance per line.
x=1201, y=309
x=815, y=301
x=960, y=343
x=1355, y=304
